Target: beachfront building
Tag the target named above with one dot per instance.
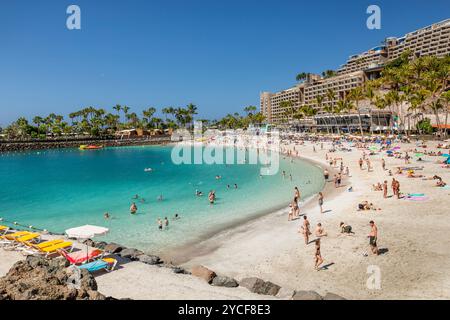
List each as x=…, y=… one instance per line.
x=431, y=40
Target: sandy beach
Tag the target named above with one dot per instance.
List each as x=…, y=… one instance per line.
x=412, y=237
x=412, y=234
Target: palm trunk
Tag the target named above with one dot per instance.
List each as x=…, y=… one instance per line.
x=360, y=120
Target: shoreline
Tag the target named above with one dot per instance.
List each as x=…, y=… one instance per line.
x=181, y=255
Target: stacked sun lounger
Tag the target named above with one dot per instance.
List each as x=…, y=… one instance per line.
x=30, y=243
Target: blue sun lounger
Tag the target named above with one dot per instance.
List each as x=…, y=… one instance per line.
x=107, y=264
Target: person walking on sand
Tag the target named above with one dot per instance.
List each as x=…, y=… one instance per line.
x=383, y=164
x=385, y=189
x=320, y=231
x=305, y=229
x=361, y=163
x=318, y=260
x=321, y=201
x=373, y=237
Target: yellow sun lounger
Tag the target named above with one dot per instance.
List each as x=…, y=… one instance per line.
x=3, y=230
x=46, y=244
x=54, y=248
x=28, y=237
x=36, y=248
x=15, y=235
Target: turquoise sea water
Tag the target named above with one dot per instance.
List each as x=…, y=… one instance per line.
x=57, y=190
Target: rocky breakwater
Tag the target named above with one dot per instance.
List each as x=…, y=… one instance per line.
x=37, y=278
x=19, y=146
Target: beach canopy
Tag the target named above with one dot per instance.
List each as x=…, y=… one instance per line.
x=446, y=155
x=86, y=232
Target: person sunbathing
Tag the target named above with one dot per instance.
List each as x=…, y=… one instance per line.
x=399, y=171
x=440, y=183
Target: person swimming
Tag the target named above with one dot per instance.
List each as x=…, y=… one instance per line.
x=133, y=208
x=136, y=196
x=106, y=215
x=160, y=198
x=198, y=193
x=176, y=217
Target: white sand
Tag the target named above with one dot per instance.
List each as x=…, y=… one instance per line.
x=415, y=233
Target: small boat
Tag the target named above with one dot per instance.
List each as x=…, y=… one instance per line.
x=90, y=147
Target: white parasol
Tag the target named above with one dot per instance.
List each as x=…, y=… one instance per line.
x=86, y=232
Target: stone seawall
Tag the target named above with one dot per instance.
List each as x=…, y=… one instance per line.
x=42, y=145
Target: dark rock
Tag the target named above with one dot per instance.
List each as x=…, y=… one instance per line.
x=147, y=259
x=260, y=286
x=306, y=295
x=130, y=253
x=175, y=269
x=253, y=284
x=37, y=278
x=203, y=273
x=332, y=296
x=270, y=289
x=114, y=248
x=223, y=281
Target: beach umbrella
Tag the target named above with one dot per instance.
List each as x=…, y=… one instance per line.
x=419, y=155
x=86, y=232
x=446, y=155
x=396, y=148
x=373, y=148
x=389, y=151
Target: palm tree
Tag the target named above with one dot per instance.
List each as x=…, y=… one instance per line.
x=319, y=100
x=446, y=101
x=357, y=95
x=37, y=121
x=118, y=107
x=301, y=76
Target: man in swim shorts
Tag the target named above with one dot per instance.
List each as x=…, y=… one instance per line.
x=373, y=237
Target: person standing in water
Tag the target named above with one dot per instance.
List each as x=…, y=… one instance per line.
x=160, y=224
x=296, y=194
x=166, y=222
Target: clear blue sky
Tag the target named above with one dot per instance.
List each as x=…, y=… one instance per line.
x=216, y=54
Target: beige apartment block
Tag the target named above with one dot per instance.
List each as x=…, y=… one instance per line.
x=431, y=40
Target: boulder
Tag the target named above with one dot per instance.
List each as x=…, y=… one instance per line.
x=130, y=253
x=306, y=295
x=37, y=278
x=203, y=273
x=253, y=284
x=285, y=293
x=223, y=281
x=175, y=269
x=270, y=289
x=148, y=259
x=260, y=286
x=332, y=296
x=113, y=248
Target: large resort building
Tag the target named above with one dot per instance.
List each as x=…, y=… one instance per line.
x=431, y=40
